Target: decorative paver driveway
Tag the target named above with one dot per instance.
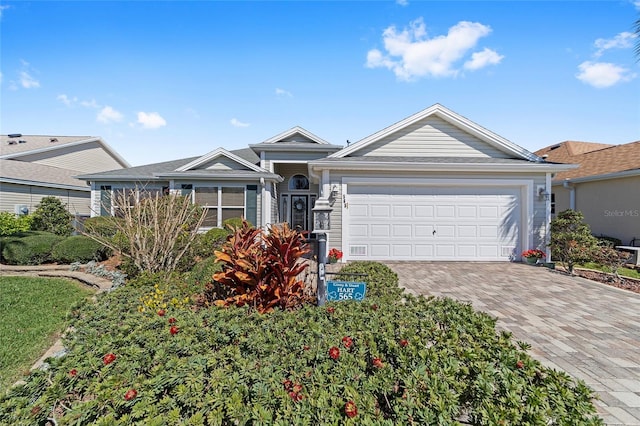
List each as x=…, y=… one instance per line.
x=589, y=330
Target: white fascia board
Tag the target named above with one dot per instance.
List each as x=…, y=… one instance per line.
x=45, y=184
x=616, y=175
x=451, y=117
x=292, y=131
x=219, y=152
x=462, y=167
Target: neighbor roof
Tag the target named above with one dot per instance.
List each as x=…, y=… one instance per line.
x=26, y=173
x=594, y=159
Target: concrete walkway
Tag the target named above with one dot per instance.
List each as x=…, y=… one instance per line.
x=589, y=330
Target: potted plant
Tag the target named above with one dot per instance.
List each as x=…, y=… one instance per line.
x=334, y=255
x=533, y=255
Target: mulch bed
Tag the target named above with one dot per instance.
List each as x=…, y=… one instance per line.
x=625, y=283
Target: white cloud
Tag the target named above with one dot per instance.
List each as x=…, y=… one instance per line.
x=237, y=123
x=603, y=74
x=402, y=2
x=3, y=8
x=636, y=3
x=109, y=115
x=90, y=104
x=27, y=81
x=410, y=53
x=66, y=99
x=283, y=93
x=624, y=40
x=151, y=120
x=482, y=59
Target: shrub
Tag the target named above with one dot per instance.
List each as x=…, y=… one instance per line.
x=29, y=248
x=11, y=224
x=571, y=239
x=52, y=216
x=262, y=268
x=105, y=226
x=203, y=247
x=610, y=241
x=381, y=281
x=411, y=361
x=79, y=248
x=234, y=222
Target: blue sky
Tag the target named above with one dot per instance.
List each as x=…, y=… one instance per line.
x=166, y=80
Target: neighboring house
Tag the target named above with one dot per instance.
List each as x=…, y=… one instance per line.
x=605, y=187
x=434, y=186
x=34, y=167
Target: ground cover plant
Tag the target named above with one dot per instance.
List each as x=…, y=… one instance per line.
x=33, y=312
x=391, y=359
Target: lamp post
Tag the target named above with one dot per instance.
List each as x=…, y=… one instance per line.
x=321, y=224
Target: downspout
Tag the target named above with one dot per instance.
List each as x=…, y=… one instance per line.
x=263, y=202
x=572, y=193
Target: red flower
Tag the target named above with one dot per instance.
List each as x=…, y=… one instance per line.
x=109, y=358
x=161, y=312
x=335, y=253
x=404, y=342
x=174, y=329
x=377, y=363
x=538, y=254
x=331, y=309
x=295, y=396
x=347, y=342
x=131, y=393
x=297, y=388
x=350, y=409
x=287, y=384
x=73, y=372
x=306, y=348
x=520, y=364
x=172, y=320
x=374, y=307
x=334, y=353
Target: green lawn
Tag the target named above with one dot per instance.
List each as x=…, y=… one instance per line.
x=624, y=272
x=32, y=314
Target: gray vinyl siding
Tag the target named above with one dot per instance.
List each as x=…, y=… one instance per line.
x=295, y=156
x=222, y=163
x=77, y=202
x=538, y=220
x=87, y=158
x=431, y=137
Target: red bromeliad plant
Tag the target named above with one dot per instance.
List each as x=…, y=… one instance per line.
x=263, y=268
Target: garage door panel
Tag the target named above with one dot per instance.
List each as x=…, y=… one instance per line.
x=471, y=223
x=402, y=231
x=380, y=231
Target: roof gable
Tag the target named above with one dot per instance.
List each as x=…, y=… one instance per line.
x=295, y=135
x=436, y=132
x=219, y=159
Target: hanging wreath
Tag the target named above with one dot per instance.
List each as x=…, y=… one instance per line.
x=299, y=206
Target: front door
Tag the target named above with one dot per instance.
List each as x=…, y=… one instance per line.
x=299, y=212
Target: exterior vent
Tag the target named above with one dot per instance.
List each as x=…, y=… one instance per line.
x=15, y=135
x=22, y=141
x=357, y=250
x=11, y=142
x=52, y=140
x=20, y=209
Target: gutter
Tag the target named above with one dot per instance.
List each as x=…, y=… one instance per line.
x=422, y=166
x=572, y=193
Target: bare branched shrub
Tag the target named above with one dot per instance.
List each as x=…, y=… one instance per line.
x=155, y=232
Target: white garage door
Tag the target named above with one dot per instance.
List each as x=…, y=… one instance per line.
x=432, y=223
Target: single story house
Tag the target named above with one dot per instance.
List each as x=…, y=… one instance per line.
x=433, y=186
x=33, y=167
x=605, y=187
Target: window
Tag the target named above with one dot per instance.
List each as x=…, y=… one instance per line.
x=298, y=183
x=221, y=203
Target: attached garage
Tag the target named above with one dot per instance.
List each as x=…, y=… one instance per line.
x=431, y=222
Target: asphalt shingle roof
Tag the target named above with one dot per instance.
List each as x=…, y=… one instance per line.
x=594, y=159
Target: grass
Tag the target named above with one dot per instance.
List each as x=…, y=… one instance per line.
x=623, y=272
x=33, y=313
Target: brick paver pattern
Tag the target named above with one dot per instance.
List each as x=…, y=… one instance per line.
x=589, y=330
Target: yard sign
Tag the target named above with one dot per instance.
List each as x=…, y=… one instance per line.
x=346, y=290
